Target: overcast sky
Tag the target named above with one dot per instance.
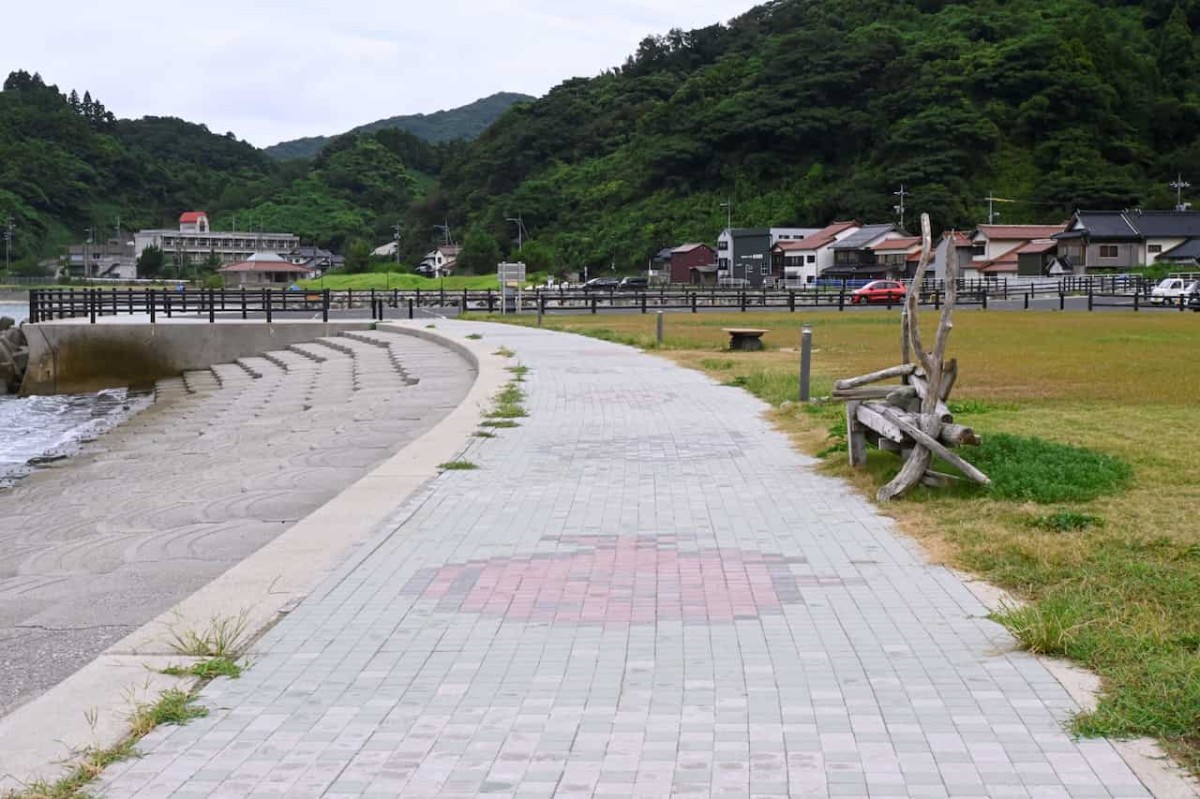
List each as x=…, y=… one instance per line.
x=271, y=70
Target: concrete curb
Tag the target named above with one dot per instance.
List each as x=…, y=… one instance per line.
x=39, y=739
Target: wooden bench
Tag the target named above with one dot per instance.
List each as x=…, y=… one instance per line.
x=745, y=339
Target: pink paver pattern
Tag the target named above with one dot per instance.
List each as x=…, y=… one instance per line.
x=612, y=579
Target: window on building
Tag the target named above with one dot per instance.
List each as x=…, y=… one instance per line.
x=1108, y=251
x=812, y=259
x=978, y=250
x=766, y=268
x=1155, y=248
x=723, y=245
x=723, y=263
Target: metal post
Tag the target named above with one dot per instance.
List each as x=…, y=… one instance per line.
x=1136, y=301
x=1090, y=301
x=150, y=302
x=1062, y=300
x=266, y=295
x=541, y=308
x=325, y=305
x=1027, y=300
x=411, y=314
x=243, y=302
x=694, y=295
x=805, y=362
x=92, y=301
x=842, y=298
x=33, y=306
x=658, y=331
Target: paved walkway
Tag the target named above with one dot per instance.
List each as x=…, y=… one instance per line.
x=223, y=462
x=643, y=591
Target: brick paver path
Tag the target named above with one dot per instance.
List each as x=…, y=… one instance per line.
x=643, y=591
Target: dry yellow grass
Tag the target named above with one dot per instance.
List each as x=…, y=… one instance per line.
x=1122, y=597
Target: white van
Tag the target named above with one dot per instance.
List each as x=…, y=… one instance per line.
x=1171, y=289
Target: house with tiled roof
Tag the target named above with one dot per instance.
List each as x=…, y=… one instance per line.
x=996, y=251
x=898, y=257
x=854, y=256
x=744, y=255
x=805, y=259
x=264, y=269
x=1115, y=241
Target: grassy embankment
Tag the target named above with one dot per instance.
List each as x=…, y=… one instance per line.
x=1110, y=566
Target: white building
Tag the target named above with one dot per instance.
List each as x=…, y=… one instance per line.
x=440, y=262
x=197, y=242
x=804, y=260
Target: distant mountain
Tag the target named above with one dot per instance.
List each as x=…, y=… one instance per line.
x=466, y=122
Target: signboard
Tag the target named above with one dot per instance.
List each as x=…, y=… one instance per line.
x=512, y=284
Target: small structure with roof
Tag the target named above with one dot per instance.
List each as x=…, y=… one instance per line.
x=263, y=270
x=996, y=250
x=694, y=263
x=804, y=260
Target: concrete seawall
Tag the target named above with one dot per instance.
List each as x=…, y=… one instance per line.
x=71, y=357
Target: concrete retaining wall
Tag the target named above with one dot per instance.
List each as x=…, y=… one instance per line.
x=72, y=357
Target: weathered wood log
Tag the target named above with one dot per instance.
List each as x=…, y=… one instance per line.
x=902, y=396
x=922, y=389
x=870, y=415
x=949, y=378
x=940, y=480
x=864, y=393
x=926, y=440
x=855, y=436
x=875, y=377
x=956, y=435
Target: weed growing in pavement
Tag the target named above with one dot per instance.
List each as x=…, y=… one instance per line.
x=509, y=403
x=173, y=706
x=501, y=424
x=504, y=352
x=458, y=466
x=208, y=669
x=224, y=638
x=484, y=434
x=474, y=336
x=519, y=373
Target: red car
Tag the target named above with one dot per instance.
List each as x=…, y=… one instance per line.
x=891, y=291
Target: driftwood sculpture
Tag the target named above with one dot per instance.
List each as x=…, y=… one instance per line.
x=912, y=419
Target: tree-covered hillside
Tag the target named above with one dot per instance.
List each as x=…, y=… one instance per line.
x=66, y=164
x=803, y=111
x=455, y=124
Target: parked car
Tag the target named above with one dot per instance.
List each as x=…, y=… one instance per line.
x=1192, y=298
x=1171, y=289
x=891, y=291
x=634, y=284
x=601, y=283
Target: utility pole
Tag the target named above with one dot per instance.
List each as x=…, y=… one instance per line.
x=728, y=206
x=8, y=237
x=1179, y=185
x=520, y=229
x=396, y=239
x=87, y=265
x=445, y=232
x=900, y=208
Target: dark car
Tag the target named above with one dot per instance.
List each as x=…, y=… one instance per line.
x=634, y=284
x=601, y=284
x=889, y=291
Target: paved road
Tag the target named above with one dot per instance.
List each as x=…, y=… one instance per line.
x=224, y=461
x=643, y=591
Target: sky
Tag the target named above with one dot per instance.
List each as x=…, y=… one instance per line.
x=273, y=70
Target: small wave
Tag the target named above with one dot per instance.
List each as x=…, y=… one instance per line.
x=39, y=430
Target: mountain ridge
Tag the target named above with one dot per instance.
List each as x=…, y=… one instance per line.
x=463, y=122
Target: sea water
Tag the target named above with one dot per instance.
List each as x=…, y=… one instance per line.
x=34, y=430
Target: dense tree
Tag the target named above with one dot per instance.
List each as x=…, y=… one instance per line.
x=480, y=253
x=358, y=257
x=150, y=263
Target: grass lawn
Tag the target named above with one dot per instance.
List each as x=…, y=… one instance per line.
x=1114, y=580
x=407, y=282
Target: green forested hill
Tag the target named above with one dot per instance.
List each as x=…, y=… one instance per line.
x=67, y=164
x=454, y=124
x=807, y=110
